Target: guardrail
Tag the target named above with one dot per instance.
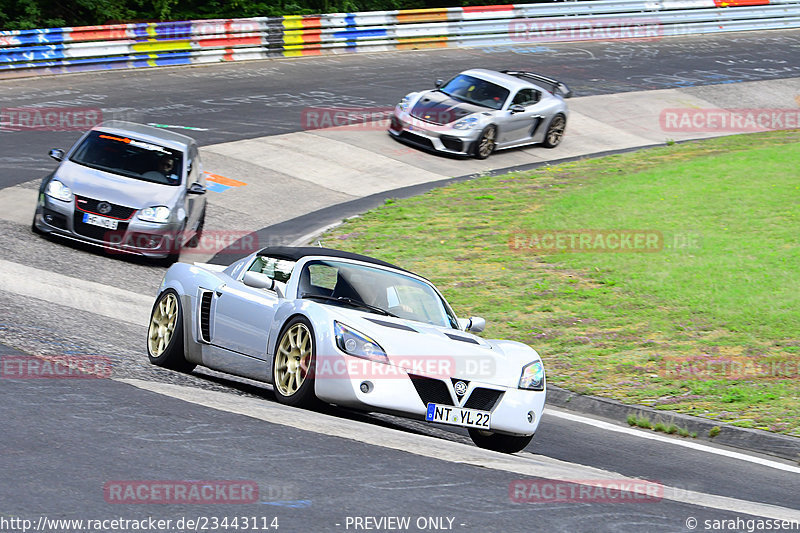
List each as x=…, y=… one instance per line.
x=60, y=50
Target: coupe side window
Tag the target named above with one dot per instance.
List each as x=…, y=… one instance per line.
x=526, y=97
x=277, y=269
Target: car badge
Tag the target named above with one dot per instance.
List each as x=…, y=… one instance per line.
x=104, y=208
x=460, y=388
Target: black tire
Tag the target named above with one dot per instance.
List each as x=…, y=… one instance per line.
x=555, y=131
x=295, y=360
x=486, y=143
x=169, y=353
x=195, y=240
x=498, y=442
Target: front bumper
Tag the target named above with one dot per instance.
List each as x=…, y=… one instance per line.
x=430, y=136
x=133, y=236
x=394, y=390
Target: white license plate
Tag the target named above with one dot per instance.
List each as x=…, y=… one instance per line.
x=103, y=222
x=456, y=416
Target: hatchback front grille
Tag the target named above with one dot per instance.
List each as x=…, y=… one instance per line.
x=483, y=399
x=431, y=390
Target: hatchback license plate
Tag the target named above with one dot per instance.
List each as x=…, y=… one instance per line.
x=103, y=222
x=457, y=416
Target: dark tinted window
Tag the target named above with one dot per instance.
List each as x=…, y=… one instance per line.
x=130, y=157
x=526, y=97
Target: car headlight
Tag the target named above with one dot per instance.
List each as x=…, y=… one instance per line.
x=532, y=377
x=159, y=213
x=404, y=103
x=355, y=343
x=466, y=123
x=59, y=191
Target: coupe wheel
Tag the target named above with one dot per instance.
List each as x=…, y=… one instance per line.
x=165, y=334
x=293, y=366
x=498, y=442
x=555, y=131
x=486, y=143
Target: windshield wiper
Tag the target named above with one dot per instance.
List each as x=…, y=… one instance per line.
x=350, y=301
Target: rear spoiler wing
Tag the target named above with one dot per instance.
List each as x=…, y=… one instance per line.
x=554, y=86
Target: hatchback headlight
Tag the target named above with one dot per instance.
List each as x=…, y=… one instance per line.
x=159, y=213
x=59, y=191
x=532, y=377
x=355, y=343
x=466, y=123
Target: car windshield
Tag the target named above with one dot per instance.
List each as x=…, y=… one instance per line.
x=382, y=291
x=130, y=158
x=476, y=91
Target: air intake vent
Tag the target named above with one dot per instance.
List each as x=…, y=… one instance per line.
x=431, y=390
x=483, y=399
x=205, y=315
x=462, y=339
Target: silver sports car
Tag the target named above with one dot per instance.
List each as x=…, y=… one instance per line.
x=321, y=324
x=480, y=111
x=126, y=187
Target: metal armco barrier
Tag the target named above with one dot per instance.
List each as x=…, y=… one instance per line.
x=60, y=50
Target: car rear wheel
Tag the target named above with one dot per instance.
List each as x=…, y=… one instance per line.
x=486, y=143
x=499, y=442
x=294, y=363
x=165, y=334
x=555, y=131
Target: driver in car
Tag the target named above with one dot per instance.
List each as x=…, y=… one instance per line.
x=166, y=166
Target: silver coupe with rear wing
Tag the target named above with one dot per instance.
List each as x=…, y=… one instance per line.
x=333, y=326
x=480, y=111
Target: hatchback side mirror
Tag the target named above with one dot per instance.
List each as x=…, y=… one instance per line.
x=57, y=154
x=196, y=188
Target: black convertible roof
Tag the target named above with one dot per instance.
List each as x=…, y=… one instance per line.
x=295, y=253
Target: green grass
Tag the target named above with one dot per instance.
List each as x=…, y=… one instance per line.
x=723, y=290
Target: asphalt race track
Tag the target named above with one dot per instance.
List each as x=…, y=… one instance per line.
x=65, y=440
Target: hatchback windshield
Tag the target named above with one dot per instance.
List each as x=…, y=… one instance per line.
x=130, y=157
x=375, y=290
x=476, y=91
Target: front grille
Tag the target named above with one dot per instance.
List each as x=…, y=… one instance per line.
x=483, y=399
x=417, y=139
x=452, y=143
x=96, y=232
x=431, y=390
x=89, y=205
x=205, y=316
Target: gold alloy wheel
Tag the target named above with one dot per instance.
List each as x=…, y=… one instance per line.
x=293, y=359
x=486, y=144
x=556, y=131
x=162, y=324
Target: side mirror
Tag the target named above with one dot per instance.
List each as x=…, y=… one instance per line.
x=439, y=83
x=57, y=154
x=257, y=280
x=474, y=324
x=516, y=108
x=196, y=188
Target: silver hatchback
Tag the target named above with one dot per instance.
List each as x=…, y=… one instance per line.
x=126, y=187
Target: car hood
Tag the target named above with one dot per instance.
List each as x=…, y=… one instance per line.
x=438, y=108
x=442, y=352
x=113, y=188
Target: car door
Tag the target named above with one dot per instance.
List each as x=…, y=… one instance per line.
x=519, y=126
x=242, y=318
x=194, y=202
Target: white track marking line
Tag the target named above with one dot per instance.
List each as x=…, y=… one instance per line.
x=671, y=440
x=90, y=296
x=524, y=464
